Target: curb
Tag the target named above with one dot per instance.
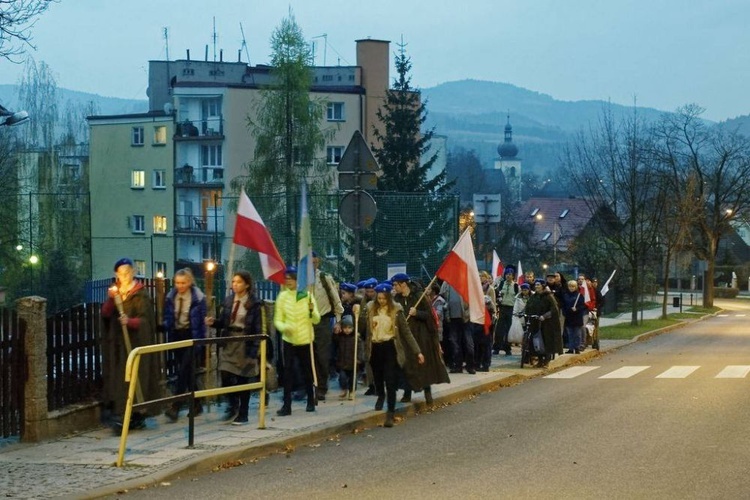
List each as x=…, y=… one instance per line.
x=506, y=377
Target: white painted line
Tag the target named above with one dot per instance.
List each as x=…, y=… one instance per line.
x=740, y=315
x=722, y=315
x=572, y=372
x=625, y=372
x=678, y=372
x=734, y=371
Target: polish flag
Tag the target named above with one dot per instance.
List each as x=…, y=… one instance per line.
x=497, y=266
x=460, y=270
x=589, y=297
x=520, y=278
x=250, y=232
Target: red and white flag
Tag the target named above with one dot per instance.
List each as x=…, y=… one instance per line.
x=497, y=266
x=250, y=232
x=589, y=297
x=460, y=270
x=520, y=278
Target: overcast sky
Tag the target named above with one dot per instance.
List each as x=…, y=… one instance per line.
x=664, y=53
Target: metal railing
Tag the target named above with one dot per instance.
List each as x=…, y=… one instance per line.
x=13, y=368
x=131, y=377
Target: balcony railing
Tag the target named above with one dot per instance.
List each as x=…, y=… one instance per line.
x=199, y=224
x=206, y=128
x=189, y=176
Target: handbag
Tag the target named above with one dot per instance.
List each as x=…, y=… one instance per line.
x=272, y=378
x=538, y=342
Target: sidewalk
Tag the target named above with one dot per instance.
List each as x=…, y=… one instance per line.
x=82, y=465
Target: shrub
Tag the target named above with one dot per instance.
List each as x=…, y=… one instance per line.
x=725, y=293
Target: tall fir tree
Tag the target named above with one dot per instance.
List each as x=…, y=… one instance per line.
x=417, y=216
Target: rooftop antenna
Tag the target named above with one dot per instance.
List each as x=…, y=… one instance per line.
x=324, y=36
x=166, y=41
x=244, y=45
x=214, y=38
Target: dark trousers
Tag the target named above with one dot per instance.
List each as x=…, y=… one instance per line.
x=301, y=353
x=385, y=371
x=462, y=343
x=503, y=327
x=183, y=363
x=239, y=400
x=322, y=346
x=482, y=346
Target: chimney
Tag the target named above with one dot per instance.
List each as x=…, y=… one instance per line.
x=188, y=54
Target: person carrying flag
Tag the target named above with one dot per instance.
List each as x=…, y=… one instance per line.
x=295, y=314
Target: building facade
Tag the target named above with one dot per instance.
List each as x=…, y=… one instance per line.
x=163, y=197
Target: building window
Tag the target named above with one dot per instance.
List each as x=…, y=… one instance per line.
x=327, y=78
x=206, y=250
x=137, y=138
x=335, y=111
x=161, y=267
x=211, y=156
x=160, y=179
x=160, y=135
x=139, y=224
x=137, y=179
x=140, y=268
x=333, y=154
x=160, y=224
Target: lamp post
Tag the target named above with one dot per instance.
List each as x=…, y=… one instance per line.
x=556, y=235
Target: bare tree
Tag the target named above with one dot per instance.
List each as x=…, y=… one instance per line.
x=611, y=167
x=17, y=18
x=711, y=168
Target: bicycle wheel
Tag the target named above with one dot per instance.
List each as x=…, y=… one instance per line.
x=524, y=349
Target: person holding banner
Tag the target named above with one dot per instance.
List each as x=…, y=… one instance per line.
x=239, y=362
x=423, y=327
x=129, y=321
x=295, y=315
x=184, y=319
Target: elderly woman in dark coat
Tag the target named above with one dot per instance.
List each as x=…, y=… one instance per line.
x=422, y=324
x=543, y=304
x=139, y=320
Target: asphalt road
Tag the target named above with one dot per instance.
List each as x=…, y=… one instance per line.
x=664, y=418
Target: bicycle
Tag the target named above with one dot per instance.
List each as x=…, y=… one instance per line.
x=527, y=345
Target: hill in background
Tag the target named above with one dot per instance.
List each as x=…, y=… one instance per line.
x=106, y=105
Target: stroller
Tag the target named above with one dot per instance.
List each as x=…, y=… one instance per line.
x=530, y=346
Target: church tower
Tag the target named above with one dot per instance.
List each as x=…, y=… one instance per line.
x=510, y=164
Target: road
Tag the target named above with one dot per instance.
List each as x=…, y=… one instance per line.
x=664, y=418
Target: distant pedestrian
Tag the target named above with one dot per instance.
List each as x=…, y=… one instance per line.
x=574, y=310
x=344, y=339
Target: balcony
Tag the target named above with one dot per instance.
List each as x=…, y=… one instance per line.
x=189, y=177
x=199, y=224
x=207, y=129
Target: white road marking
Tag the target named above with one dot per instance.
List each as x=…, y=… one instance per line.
x=678, y=372
x=734, y=371
x=740, y=315
x=722, y=315
x=625, y=372
x=572, y=372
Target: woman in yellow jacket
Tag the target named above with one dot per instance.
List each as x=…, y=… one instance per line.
x=295, y=313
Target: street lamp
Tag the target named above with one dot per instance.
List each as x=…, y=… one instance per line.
x=11, y=118
x=33, y=260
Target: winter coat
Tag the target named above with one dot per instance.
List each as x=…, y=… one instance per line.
x=571, y=301
x=293, y=319
x=141, y=330
x=544, y=304
x=196, y=315
x=240, y=358
x=433, y=370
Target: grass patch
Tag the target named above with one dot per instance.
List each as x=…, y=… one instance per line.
x=704, y=310
x=626, y=331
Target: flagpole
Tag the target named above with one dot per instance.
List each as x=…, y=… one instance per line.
x=424, y=292
x=230, y=268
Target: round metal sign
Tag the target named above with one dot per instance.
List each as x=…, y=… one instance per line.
x=358, y=210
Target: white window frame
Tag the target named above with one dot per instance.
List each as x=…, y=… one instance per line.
x=137, y=179
x=139, y=224
x=160, y=224
x=139, y=266
x=211, y=155
x=160, y=135
x=335, y=112
x=331, y=154
x=136, y=136
x=160, y=178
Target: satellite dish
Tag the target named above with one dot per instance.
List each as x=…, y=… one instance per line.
x=168, y=108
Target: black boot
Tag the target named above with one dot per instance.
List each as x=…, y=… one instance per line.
x=406, y=398
x=388, y=419
x=379, y=403
x=428, y=395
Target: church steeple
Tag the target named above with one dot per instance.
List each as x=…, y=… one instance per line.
x=507, y=149
x=510, y=164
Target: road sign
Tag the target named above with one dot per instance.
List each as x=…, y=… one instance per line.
x=367, y=180
x=358, y=156
x=487, y=208
x=358, y=210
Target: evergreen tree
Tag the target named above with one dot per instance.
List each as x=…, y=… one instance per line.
x=417, y=217
x=289, y=141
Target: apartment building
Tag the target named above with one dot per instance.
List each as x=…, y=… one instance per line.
x=160, y=180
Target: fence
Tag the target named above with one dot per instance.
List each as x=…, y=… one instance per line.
x=13, y=369
x=74, y=356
